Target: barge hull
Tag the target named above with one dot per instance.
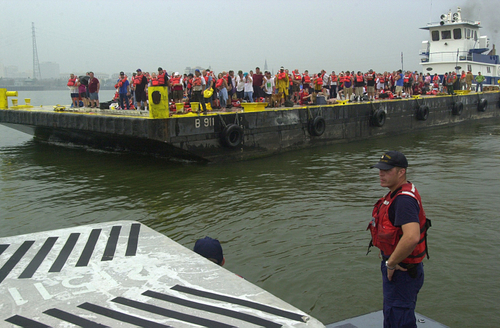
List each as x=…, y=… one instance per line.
x=204, y=138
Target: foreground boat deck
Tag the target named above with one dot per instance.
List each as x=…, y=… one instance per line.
x=124, y=274
x=375, y=320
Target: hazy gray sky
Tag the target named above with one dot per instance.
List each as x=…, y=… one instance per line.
x=109, y=36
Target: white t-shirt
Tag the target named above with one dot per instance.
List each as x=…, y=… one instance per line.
x=240, y=83
x=268, y=85
x=248, y=83
x=74, y=89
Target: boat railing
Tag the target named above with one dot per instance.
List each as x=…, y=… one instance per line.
x=462, y=21
x=447, y=56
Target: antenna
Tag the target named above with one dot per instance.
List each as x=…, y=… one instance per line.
x=36, y=63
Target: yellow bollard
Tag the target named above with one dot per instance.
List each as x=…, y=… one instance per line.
x=14, y=102
x=158, y=102
x=4, y=104
x=27, y=101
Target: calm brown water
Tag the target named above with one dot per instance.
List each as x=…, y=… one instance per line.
x=294, y=223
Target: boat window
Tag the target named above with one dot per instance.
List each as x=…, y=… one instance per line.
x=469, y=68
x=475, y=35
x=435, y=35
x=457, y=33
x=446, y=35
x=467, y=35
x=488, y=69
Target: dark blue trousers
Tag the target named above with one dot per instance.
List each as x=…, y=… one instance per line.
x=400, y=297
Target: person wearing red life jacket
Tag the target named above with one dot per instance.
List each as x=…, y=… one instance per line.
x=123, y=87
x=399, y=229
x=162, y=77
x=199, y=84
x=306, y=82
x=348, y=79
x=176, y=83
x=140, y=82
x=334, y=82
x=73, y=89
x=359, y=85
x=283, y=84
x=221, y=86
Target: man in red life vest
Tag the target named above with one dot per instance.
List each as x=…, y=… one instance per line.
x=297, y=81
x=399, y=229
x=140, y=82
x=73, y=89
x=334, y=81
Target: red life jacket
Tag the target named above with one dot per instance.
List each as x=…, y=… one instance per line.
x=161, y=79
x=359, y=78
x=381, y=79
x=319, y=81
x=369, y=77
x=175, y=80
x=406, y=79
x=307, y=79
x=71, y=82
x=281, y=76
x=297, y=77
x=155, y=82
x=385, y=236
x=219, y=83
x=138, y=79
x=334, y=78
x=197, y=81
x=120, y=83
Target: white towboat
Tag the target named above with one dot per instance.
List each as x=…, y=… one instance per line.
x=456, y=45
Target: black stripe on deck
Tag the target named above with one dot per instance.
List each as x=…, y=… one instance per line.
x=133, y=239
x=121, y=316
x=170, y=314
x=213, y=309
x=110, y=249
x=64, y=253
x=25, y=322
x=38, y=259
x=89, y=248
x=233, y=300
x=14, y=259
x=3, y=247
x=74, y=319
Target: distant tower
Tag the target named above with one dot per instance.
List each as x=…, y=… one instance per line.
x=265, y=65
x=36, y=63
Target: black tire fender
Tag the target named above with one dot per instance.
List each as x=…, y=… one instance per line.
x=378, y=118
x=457, y=109
x=232, y=135
x=317, y=126
x=422, y=113
x=482, y=104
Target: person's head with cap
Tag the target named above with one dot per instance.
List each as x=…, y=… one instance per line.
x=211, y=249
x=139, y=71
x=392, y=166
x=282, y=68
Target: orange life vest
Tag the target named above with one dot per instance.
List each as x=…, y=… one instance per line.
x=161, y=79
x=197, y=81
x=219, y=83
x=406, y=79
x=381, y=79
x=359, y=78
x=154, y=82
x=71, y=82
x=138, y=79
x=307, y=79
x=120, y=83
x=281, y=76
x=175, y=80
x=297, y=77
x=334, y=78
x=386, y=236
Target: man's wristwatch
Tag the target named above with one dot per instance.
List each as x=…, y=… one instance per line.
x=388, y=267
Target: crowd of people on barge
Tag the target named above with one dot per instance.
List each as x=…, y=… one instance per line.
x=228, y=89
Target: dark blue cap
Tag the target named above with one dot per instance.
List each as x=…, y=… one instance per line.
x=391, y=159
x=209, y=248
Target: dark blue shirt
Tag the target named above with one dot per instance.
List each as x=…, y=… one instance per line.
x=404, y=209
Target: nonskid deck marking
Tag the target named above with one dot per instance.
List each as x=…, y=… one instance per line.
x=213, y=309
x=67, y=250
x=234, y=300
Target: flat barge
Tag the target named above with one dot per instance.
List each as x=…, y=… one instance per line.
x=236, y=136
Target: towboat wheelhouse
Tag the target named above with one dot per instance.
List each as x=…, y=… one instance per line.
x=456, y=45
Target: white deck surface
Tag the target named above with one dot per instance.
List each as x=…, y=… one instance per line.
x=124, y=274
